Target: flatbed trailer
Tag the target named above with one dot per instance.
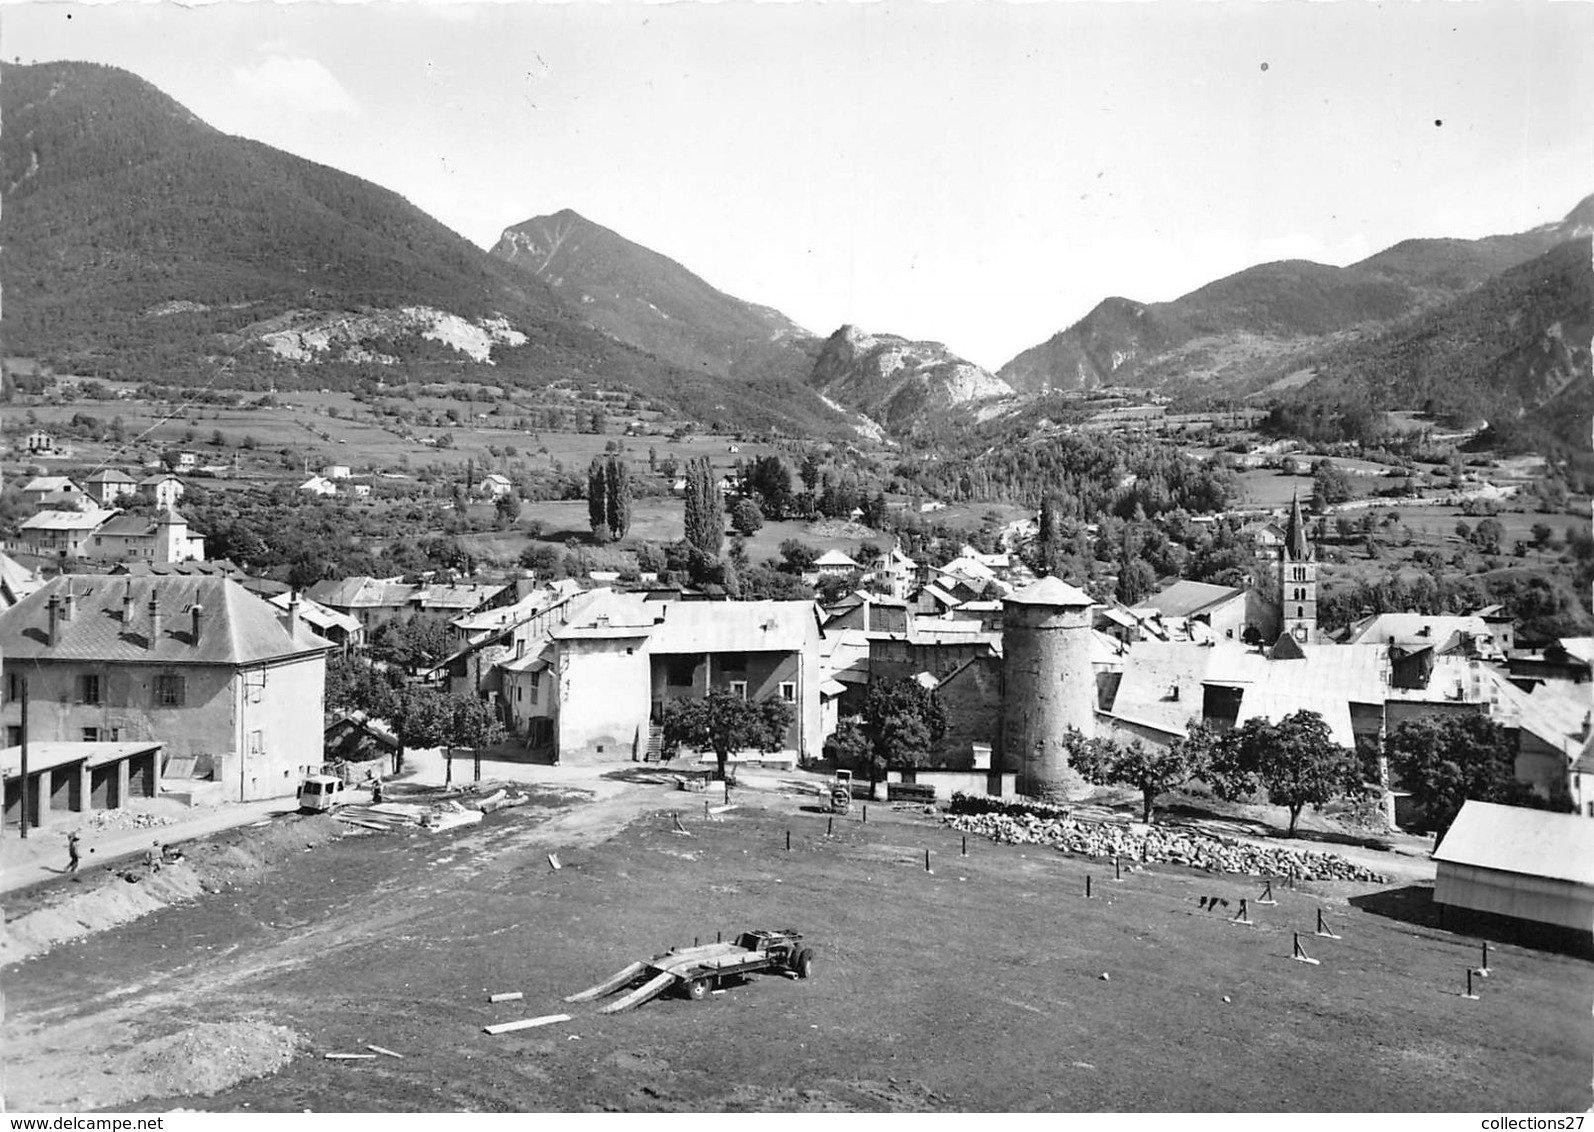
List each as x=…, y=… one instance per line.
x=698, y=970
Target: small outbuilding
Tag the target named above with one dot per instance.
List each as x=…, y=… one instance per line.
x=1531, y=865
x=78, y=777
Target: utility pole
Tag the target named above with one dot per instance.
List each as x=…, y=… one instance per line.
x=25, y=754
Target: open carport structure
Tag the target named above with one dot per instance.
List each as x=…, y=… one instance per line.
x=1530, y=865
x=77, y=778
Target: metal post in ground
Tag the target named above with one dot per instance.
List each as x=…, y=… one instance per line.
x=926, y=860
x=1117, y=867
x=866, y=815
x=788, y=841
x=830, y=826
x=965, y=845
x=1484, y=970
x=1087, y=886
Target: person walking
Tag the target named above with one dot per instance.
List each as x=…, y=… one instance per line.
x=71, y=852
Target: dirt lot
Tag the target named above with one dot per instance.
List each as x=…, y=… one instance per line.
x=975, y=987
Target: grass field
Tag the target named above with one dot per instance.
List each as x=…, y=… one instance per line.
x=974, y=987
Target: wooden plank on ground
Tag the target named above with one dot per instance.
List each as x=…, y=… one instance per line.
x=525, y=1023
x=506, y=996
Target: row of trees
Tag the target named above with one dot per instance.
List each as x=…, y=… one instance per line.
x=609, y=497
x=1295, y=763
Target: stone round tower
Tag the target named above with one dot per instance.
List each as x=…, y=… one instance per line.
x=1047, y=685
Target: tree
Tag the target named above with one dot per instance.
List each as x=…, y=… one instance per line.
x=471, y=723
x=1295, y=760
x=506, y=509
x=421, y=718
x=1136, y=579
x=1330, y=484
x=769, y=480
x=746, y=518
x=705, y=517
x=1487, y=535
x=617, y=496
x=903, y=720
x=848, y=746
x=598, y=498
x=725, y=723
x=1151, y=770
x=797, y=557
x=1443, y=762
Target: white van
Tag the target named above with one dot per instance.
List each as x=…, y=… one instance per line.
x=319, y=792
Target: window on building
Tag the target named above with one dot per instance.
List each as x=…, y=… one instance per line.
x=168, y=690
x=88, y=689
x=739, y=688
x=91, y=734
x=13, y=686
x=788, y=691
x=1300, y=611
x=257, y=743
x=13, y=735
x=733, y=662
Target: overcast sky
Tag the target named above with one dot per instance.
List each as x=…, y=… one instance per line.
x=980, y=175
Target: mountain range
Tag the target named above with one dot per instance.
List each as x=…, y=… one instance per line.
x=225, y=260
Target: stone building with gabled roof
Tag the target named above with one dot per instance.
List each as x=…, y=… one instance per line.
x=198, y=663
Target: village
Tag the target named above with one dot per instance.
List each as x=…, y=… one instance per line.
x=1085, y=604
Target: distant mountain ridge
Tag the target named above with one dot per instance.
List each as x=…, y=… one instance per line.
x=652, y=302
x=141, y=242
x=1227, y=330
x=896, y=381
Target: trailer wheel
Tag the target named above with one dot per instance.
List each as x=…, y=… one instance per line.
x=697, y=989
x=804, y=966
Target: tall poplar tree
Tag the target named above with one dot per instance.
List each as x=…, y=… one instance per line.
x=598, y=497
x=617, y=505
x=705, y=511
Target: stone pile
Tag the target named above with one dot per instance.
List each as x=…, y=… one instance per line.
x=127, y=819
x=1169, y=846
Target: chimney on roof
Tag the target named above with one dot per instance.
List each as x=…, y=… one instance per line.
x=199, y=621
x=68, y=604
x=127, y=604
x=292, y=623
x=54, y=608
x=154, y=621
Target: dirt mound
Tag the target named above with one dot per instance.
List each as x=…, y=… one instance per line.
x=209, y=1057
x=116, y=897
x=113, y=900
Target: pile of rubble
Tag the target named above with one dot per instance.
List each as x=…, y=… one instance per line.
x=126, y=819
x=1169, y=846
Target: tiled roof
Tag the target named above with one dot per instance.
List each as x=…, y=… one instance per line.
x=1515, y=839
x=1051, y=590
x=607, y=614
x=464, y=598
x=1419, y=629
x=237, y=627
x=110, y=475
x=361, y=593
x=736, y=626
x=50, y=483
x=65, y=521
x=834, y=558
x=318, y=615
x=126, y=525
x=1152, y=670
x=1186, y=598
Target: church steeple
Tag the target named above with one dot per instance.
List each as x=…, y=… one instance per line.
x=1297, y=581
x=1295, y=544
